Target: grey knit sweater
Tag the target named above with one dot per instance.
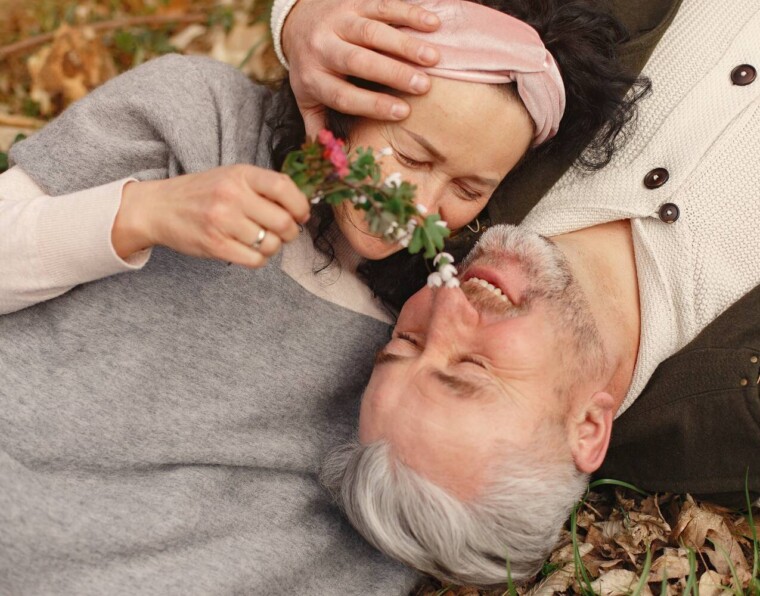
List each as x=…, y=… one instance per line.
x=161, y=431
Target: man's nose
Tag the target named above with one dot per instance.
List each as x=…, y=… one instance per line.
x=452, y=314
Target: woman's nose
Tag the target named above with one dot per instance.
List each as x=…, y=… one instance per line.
x=429, y=195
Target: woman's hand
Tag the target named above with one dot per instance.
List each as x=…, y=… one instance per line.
x=215, y=214
x=326, y=40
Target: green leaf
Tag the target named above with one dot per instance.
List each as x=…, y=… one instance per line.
x=223, y=16
x=31, y=108
x=612, y=482
x=415, y=245
x=4, y=162
x=644, y=573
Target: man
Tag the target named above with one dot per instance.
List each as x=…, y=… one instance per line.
x=687, y=185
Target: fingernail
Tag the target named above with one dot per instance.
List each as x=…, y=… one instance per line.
x=419, y=83
x=430, y=19
x=399, y=111
x=428, y=54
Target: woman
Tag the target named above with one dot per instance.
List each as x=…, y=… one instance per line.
x=161, y=431
x=224, y=215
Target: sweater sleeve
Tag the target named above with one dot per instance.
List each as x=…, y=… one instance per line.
x=170, y=116
x=280, y=11
x=50, y=244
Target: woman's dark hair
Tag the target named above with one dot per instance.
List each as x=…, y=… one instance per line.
x=601, y=99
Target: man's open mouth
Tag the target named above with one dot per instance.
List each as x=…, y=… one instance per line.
x=492, y=281
x=489, y=287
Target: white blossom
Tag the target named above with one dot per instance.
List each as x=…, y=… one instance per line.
x=421, y=209
x=434, y=280
x=359, y=199
x=384, y=152
x=404, y=242
x=448, y=272
x=316, y=200
x=442, y=255
x=443, y=224
x=400, y=233
x=393, y=180
x=411, y=225
x=452, y=283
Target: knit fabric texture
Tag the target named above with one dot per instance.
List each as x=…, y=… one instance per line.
x=705, y=131
x=161, y=432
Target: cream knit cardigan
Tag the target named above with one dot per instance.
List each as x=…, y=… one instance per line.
x=706, y=132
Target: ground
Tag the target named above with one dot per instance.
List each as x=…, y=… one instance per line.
x=53, y=53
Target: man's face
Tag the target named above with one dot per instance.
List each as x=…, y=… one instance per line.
x=471, y=370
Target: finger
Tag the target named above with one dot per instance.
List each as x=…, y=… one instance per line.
x=269, y=216
x=238, y=253
x=280, y=189
x=381, y=37
x=313, y=120
x=248, y=233
x=398, y=12
x=350, y=99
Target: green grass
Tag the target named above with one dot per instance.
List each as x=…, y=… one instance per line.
x=4, y=155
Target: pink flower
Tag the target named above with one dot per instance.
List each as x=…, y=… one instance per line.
x=334, y=151
x=325, y=137
x=339, y=160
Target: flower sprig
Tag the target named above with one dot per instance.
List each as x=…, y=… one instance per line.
x=324, y=171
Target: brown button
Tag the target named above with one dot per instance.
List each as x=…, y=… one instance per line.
x=744, y=74
x=753, y=360
x=744, y=382
x=669, y=213
x=656, y=178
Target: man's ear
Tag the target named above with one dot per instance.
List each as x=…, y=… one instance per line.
x=590, y=432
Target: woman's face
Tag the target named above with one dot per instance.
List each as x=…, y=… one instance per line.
x=459, y=141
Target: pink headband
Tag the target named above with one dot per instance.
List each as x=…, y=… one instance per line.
x=482, y=45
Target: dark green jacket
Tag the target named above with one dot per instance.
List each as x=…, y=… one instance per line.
x=696, y=426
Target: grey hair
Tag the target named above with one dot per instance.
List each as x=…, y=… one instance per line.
x=518, y=516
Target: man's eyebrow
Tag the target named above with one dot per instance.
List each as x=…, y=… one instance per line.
x=462, y=387
x=426, y=144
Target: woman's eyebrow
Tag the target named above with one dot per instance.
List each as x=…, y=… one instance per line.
x=426, y=144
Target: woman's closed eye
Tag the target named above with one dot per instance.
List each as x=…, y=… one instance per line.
x=462, y=191
x=409, y=161
x=467, y=194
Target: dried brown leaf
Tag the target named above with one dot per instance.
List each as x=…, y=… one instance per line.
x=247, y=45
x=698, y=523
x=618, y=582
x=673, y=563
x=565, y=554
x=557, y=583
x=69, y=68
x=182, y=39
x=712, y=584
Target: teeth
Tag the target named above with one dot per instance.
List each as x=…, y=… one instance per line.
x=492, y=288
